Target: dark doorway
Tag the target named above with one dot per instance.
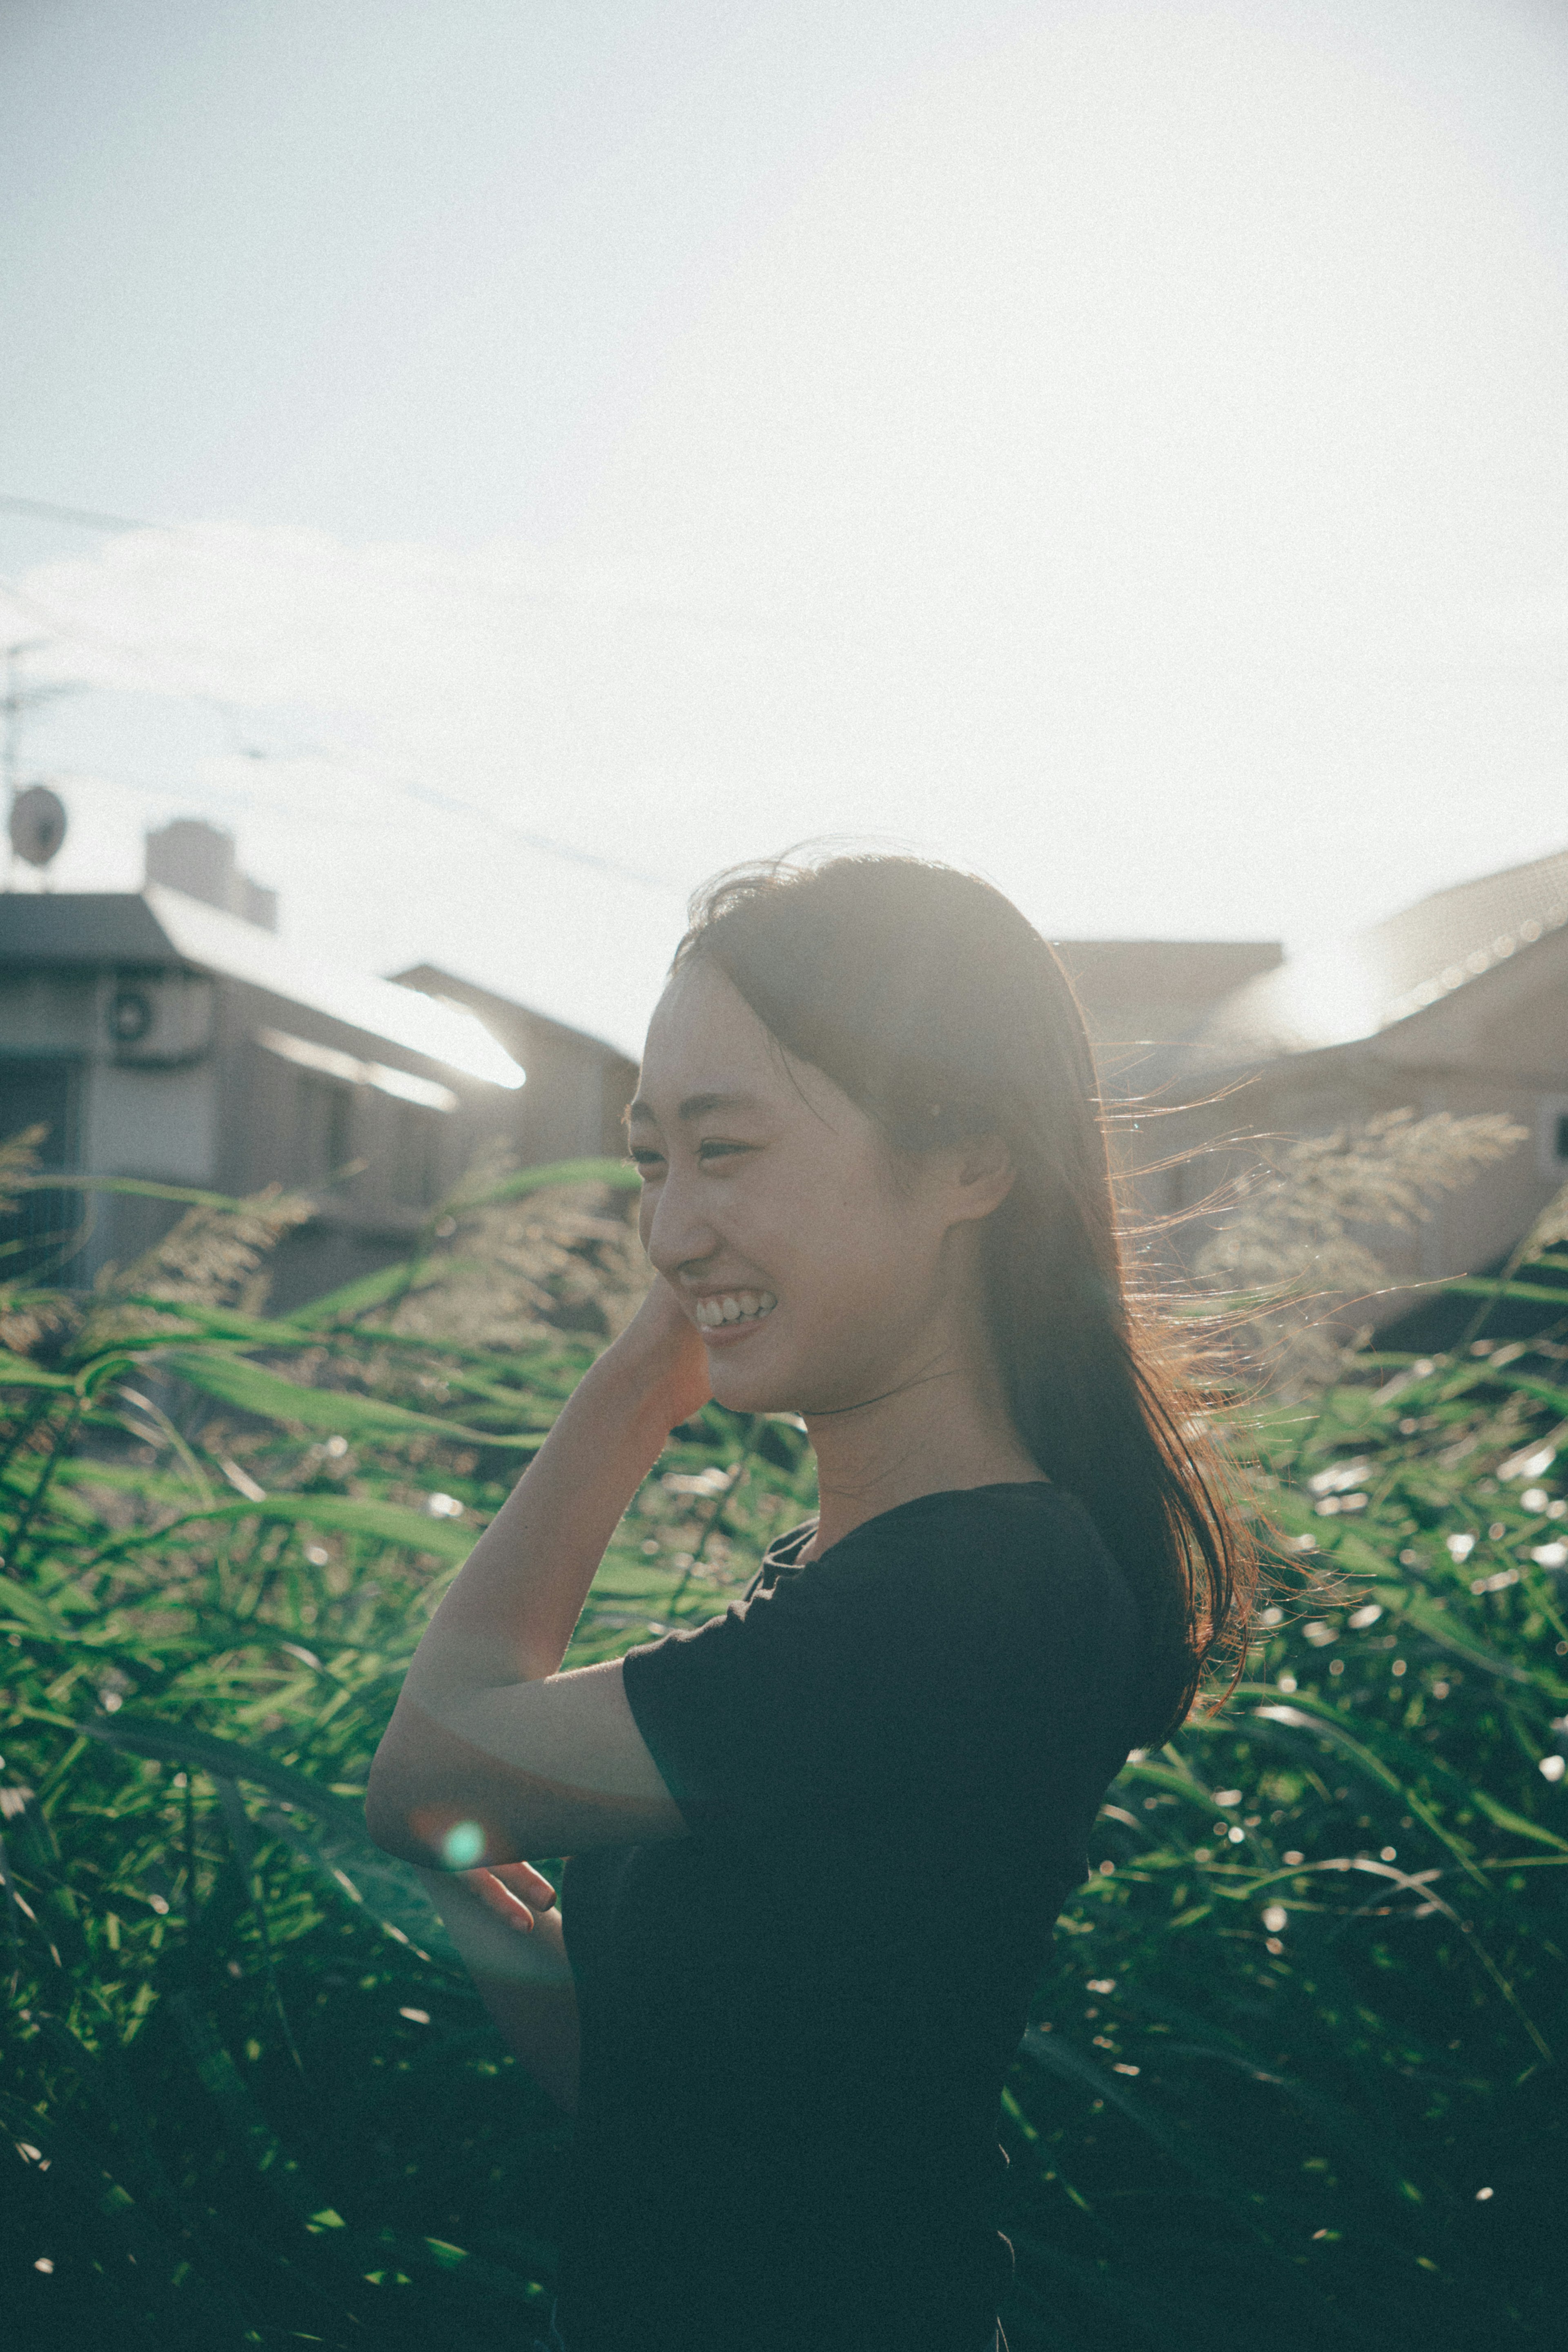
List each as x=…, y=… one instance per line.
x=326, y=1126
x=41, y=1232
x=416, y=1155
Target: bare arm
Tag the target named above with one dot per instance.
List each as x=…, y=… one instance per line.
x=493, y=1753
x=522, y=1974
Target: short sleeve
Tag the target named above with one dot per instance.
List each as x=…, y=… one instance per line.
x=772, y=1707
x=926, y=1665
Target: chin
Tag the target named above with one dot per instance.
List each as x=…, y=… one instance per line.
x=748, y=1387
x=742, y=1392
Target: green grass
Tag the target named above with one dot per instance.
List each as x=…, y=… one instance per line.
x=1317, y=2112
x=254, y=2101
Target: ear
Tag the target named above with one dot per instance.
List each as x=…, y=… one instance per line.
x=983, y=1174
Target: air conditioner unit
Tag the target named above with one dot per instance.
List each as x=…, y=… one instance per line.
x=158, y=1019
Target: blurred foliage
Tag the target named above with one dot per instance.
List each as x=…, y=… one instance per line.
x=1295, y=1243
x=1294, y=2071
x=1288, y=2072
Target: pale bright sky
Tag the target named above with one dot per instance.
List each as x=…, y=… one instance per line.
x=1122, y=447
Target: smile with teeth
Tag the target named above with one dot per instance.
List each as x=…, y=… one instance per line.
x=734, y=1306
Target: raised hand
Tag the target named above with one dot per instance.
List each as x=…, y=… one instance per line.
x=664, y=1343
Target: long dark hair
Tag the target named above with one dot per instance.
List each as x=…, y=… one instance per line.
x=937, y=1007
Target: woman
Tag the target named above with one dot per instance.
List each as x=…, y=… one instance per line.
x=818, y=1845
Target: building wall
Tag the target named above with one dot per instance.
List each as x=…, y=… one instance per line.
x=560, y=1114
x=302, y=1129
x=147, y=1069
x=151, y=1122
x=1137, y=993
x=49, y=1012
x=125, y=1117
x=1501, y=1045
x=43, y=1067
x=578, y=1087
x=219, y=1111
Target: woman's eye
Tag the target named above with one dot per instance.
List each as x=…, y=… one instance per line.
x=707, y=1151
x=647, y=1163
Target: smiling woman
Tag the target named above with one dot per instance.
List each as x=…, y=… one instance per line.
x=818, y=1843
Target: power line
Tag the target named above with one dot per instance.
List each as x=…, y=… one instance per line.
x=644, y=607
x=18, y=699
x=44, y=510
x=492, y=820
x=411, y=788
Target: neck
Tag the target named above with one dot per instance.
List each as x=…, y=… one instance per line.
x=943, y=1425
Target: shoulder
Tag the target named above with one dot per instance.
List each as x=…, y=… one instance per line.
x=1024, y=1557
x=964, y=1638
x=1034, y=1531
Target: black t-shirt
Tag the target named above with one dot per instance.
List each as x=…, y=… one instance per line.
x=797, y=2022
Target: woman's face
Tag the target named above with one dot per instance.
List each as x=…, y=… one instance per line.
x=818, y=1274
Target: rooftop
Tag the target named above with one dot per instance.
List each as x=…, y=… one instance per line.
x=159, y=928
x=1361, y=986
x=501, y=1014
x=1159, y=989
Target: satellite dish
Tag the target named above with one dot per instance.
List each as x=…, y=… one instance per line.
x=37, y=824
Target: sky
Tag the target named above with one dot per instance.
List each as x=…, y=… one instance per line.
x=1120, y=449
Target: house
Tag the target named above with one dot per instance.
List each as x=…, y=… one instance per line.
x=167, y=1034
x=1457, y=1003
x=578, y=1086
x=192, y=855
x=1142, y=999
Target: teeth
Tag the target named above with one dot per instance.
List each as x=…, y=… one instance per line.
x=734, y=1306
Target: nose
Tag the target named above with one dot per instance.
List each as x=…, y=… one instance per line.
x=676, y=1231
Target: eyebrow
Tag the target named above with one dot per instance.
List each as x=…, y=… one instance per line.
x=694, y=1106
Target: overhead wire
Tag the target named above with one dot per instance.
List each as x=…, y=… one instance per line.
x=449, y=803
x=643, y=607
x=44, y=510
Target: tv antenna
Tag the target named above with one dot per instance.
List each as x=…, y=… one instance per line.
x=35, y=816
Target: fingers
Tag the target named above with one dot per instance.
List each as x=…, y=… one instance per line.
x=528, y=1884
x=499, y=1899
x=502, y=1890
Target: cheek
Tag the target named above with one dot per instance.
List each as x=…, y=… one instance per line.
x=853, y=1241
